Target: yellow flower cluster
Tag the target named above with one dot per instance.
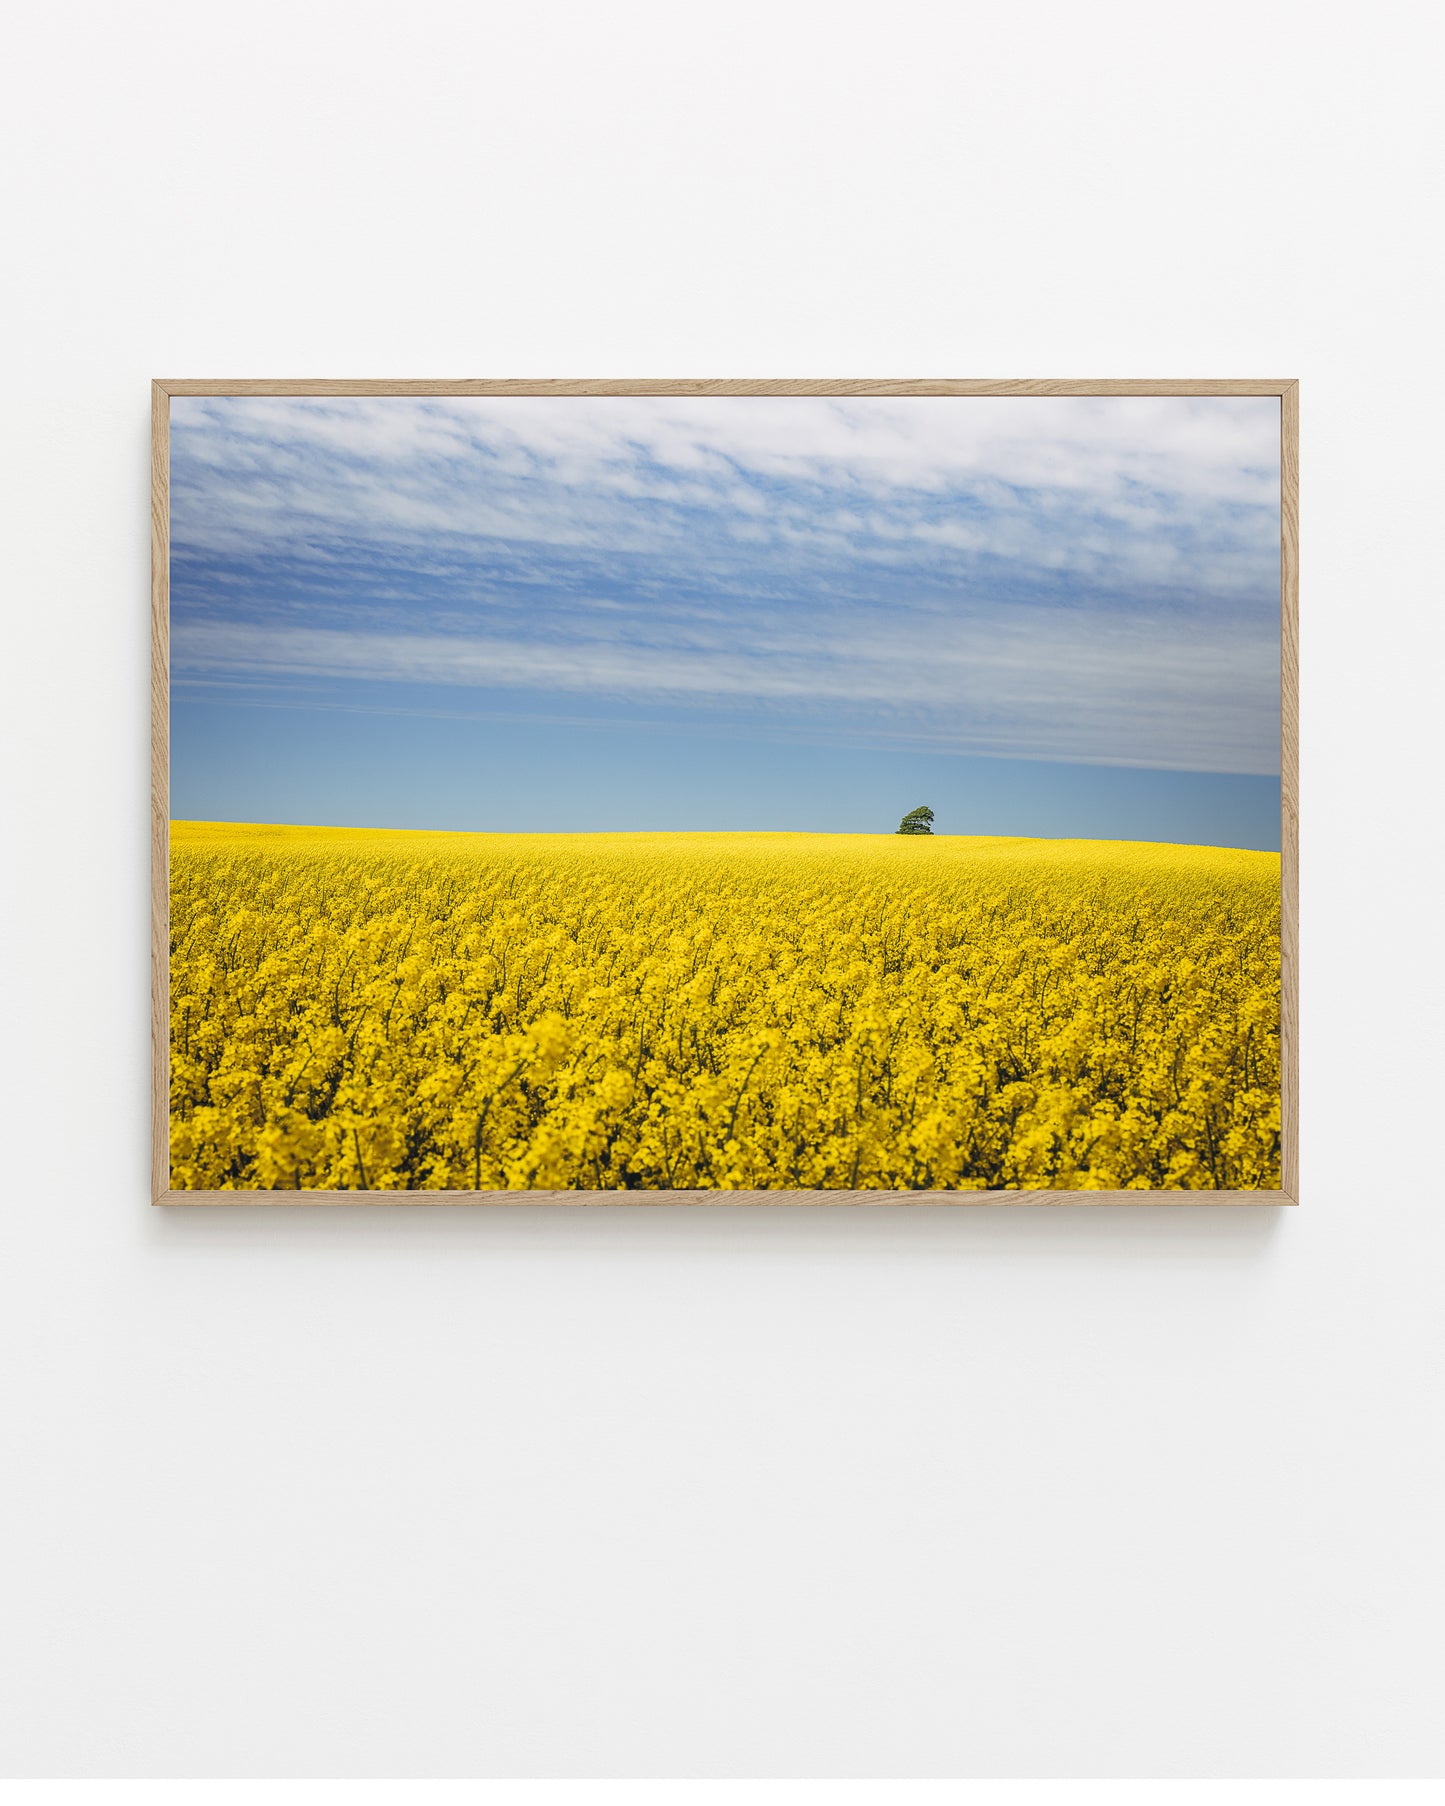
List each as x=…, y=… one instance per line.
x=395, y=1011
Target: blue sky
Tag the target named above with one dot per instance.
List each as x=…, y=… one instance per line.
x=1041, y=616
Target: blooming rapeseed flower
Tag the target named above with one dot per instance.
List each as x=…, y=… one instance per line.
x=393, y=1011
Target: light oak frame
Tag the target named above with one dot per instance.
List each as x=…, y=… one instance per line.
x=1288, y=395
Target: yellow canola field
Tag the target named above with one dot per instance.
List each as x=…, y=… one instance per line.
x=502, y=1011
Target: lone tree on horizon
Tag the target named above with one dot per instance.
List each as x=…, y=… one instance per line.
x=917, y=821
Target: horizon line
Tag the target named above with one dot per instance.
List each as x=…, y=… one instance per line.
x=677, y=833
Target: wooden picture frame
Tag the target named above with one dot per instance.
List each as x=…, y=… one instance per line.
x=1287, y=394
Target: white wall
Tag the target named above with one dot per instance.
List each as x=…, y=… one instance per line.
x=703, y=1492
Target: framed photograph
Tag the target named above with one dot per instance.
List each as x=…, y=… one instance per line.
x=858, y=792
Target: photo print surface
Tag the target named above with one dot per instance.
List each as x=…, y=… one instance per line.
x=684, y=794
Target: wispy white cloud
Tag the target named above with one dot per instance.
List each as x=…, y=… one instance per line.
x=1225, y=448
x=1056, y=685
x=631, y=472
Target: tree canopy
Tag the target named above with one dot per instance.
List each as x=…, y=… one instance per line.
x=917, y=821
